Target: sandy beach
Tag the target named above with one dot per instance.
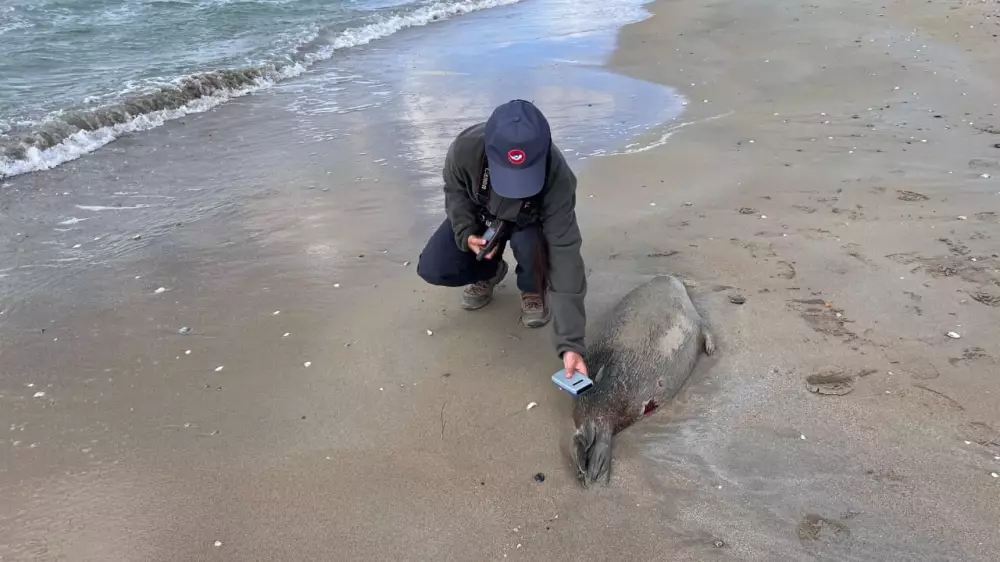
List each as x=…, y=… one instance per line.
x=236, y=381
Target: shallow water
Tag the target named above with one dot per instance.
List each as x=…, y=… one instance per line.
x=384, y=111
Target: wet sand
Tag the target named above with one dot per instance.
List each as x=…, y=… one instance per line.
x=803, y=183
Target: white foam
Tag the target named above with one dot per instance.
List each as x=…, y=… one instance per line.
x=72, y=220
x=103, y=208
x=83, y=142
x=663, y=138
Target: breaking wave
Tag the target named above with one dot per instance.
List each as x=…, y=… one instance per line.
x=69, y=135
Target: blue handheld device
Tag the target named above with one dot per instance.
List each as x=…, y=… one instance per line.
x=576, y=385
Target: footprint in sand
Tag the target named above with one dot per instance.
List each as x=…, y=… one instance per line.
x=970, y=354
x=830, y=382
x=823, y=317
x=816, y=528
x=904, y=195
x=786, y=270
x=986, y=298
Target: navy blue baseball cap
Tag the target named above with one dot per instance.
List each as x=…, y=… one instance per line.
x=517, y=148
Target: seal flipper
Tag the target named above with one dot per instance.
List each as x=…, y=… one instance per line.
x=709, y=341
x=592, y=452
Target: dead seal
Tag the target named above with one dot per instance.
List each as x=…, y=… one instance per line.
x=643, y=356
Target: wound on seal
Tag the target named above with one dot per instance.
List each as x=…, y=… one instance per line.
x=649, y=406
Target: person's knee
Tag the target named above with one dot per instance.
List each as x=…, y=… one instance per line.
x=429, y=269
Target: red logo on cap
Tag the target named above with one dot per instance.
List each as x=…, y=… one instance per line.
x=516, y=156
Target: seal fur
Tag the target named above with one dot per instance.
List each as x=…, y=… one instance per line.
x=644, y=354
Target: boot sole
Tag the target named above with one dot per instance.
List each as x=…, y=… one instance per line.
x=537, y=323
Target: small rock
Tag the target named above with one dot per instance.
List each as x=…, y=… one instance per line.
x=184, y=330
x=737, y=299
x=747, y=211
x=540, y=477
x=953, y=335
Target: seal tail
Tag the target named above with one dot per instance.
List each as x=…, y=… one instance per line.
x=592, y=452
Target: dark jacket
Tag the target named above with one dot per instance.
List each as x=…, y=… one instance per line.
x=463, y=170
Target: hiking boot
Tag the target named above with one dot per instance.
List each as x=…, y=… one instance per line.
x=534, y=313
x=480, y=294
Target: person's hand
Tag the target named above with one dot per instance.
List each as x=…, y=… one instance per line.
x=573, y=363
x=476, y=243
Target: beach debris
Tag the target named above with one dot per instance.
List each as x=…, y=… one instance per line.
x=763, y=216
x=275, y=313
x=737, y=299
x=688, y=204
x=187, y=352
x=218, y=543
x=307, y=364
x=406, y=263
x=184, y=330
x=336, y=285
x=718, y=543
x=160, y=290
x=430, y=333
x=39, y=394
x=830, y=382
x=986, y=176
x=953, y=335
x=286, y=334
x=652, y=204
x=963, y=218
x=747, y=211
x=531, y=405
x=219, y=368
x=381, y=388
x=995, y=475
x=802, y=437
x=540, y=477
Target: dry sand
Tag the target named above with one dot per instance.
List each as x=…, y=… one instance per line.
x=832, y=176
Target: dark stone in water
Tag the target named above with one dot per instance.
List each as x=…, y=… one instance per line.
x=540, y=477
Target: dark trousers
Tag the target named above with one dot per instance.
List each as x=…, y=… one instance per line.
x=443, y=263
